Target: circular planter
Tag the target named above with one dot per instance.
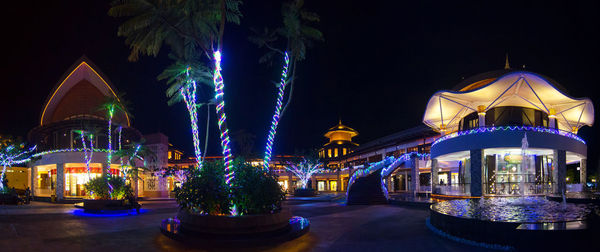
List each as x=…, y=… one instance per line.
x=234, y=225
x=92, y=206
x=309, y=192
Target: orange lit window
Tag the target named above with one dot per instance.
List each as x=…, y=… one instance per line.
x=329, y=153
x=335, y=152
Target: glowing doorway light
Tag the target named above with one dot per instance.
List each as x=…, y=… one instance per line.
x=277, y=113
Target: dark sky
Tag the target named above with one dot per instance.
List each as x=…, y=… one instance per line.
x=379, y=65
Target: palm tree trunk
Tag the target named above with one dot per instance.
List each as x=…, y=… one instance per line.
x=189, y=96
x=109, y=154
x=121, y=158
x=276, y=115
x=207, y=127
x=222, y=123
x=85, y=153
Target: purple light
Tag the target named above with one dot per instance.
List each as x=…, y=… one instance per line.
x=511, y=128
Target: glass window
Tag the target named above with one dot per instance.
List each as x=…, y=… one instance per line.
x=333, y=185
x=321, y=185
x=335, y=152
x=76, y=176
x=328, y=152
x=45, y=180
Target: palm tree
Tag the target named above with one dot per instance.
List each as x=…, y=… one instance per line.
x=88, y=153
x=132, y=152
x=190, y=28
x=297, y=35
x=112, y=105
x=182, y=78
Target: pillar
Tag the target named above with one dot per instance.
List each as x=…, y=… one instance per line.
x=559, y=185
x=481, y=114
x=290, y=176
x=136, y=189
x=434, y=175
x=475, y=172
x=406, y=187
x=552, y=118
x=32, y=179
x=415, y=173
x=339, y=180
x=313, y=182
x=583, y=172
x=60, y=181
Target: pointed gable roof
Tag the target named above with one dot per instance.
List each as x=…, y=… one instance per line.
x=78, y=92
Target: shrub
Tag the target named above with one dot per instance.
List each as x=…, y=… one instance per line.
x=205, y=191
x=253, y=191
x=97, y=188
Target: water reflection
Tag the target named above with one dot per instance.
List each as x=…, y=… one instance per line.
x=520, y=209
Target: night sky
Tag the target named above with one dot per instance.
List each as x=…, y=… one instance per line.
x=379, y=64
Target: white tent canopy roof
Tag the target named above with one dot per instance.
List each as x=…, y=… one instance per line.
x=517, y=88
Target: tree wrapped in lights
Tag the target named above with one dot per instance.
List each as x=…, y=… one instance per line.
x=194, y=32
x=87, y=153
x=304, y=171
x=12, y=152
x=296, y=35
x=112, y=105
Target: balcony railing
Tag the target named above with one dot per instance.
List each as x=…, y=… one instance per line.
x=508, y=128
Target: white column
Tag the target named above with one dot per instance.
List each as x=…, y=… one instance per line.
x=583, y=171
x=552, y=118
x=60, y=181
x=481, y=114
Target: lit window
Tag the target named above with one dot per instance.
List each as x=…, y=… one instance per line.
x=329, y=153
x=343, y=151
x=169, y=155
x=335, y=152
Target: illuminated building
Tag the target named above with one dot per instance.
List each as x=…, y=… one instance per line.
x=71, y=107
x=506, y=132
x=340, y=144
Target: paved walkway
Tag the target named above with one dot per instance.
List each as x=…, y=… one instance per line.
x=334, y=227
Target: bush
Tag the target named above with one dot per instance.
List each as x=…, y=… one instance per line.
x=205, y=191
x=97, y=188
x=253, y=191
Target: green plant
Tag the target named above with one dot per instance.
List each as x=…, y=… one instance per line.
x=99, y=189
x=205, y=191
x=255, y=191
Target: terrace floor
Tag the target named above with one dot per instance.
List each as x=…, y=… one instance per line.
x=334, y=227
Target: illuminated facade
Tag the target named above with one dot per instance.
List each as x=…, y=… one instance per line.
x=506, y=132
x=340, y=144
x=61, y=167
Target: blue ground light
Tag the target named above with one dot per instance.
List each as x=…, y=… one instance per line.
x=109, y=213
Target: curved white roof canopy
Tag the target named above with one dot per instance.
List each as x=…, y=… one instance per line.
x=520, y=89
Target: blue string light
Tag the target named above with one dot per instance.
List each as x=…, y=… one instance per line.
x=275, y=121
x=510, y=128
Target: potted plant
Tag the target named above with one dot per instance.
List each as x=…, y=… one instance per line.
x=254, y=205
x=114, y=195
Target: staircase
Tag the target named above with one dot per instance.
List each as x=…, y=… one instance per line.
x=367, y=191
